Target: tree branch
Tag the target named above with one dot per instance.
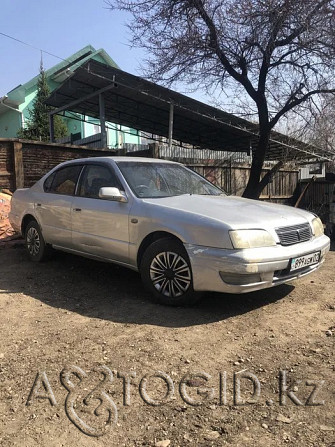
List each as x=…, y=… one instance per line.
x=290, y=38
x=291, y=103
x=278, y=20
x=242, y=78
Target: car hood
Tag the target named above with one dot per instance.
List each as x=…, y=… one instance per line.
x=234, y=211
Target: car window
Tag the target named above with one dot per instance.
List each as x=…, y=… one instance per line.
x=164, y=180
x=94, y=178
x=64, y=180
x=48, y=182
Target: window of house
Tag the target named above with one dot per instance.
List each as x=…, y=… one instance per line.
x=315, y=168
x=96, y=129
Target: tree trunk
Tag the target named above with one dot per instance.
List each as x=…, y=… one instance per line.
x=254, y=186
x=269, y=175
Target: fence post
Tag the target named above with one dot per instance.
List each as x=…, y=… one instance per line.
x=155, y=150
x=18, y=165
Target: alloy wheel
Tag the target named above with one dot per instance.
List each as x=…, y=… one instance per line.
x=170, y=274
x=33, y=241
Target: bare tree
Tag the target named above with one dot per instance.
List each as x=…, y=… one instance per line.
x=281, y=52
x=320, y=127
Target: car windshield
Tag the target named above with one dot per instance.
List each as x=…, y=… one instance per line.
x=148, y=180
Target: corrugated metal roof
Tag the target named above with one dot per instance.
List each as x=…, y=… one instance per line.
x=139, y=104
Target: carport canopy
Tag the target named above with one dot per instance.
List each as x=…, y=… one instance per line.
x=112, y=95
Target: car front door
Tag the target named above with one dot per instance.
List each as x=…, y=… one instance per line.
x=99, y=226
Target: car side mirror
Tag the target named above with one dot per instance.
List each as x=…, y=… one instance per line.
x=113, y=194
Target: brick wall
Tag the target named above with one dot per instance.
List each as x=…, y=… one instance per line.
x=35, y=159
x=7, y=179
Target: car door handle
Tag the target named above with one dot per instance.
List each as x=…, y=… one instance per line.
x=77, y=209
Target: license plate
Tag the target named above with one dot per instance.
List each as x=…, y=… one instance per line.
x=305, y=261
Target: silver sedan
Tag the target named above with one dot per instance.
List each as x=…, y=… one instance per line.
x=183, y=234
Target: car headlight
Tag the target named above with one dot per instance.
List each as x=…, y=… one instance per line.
x=251, y=238
x=317, y=227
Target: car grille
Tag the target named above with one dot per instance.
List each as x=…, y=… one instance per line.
x=294, y=234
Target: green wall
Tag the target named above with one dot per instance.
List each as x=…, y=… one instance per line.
x=10, y=122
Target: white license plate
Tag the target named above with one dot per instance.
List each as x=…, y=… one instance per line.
x=305, y=261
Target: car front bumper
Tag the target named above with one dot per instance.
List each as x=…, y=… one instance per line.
x=241, y=271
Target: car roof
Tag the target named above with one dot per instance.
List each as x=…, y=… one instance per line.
x=120, y=158
x=111, y=160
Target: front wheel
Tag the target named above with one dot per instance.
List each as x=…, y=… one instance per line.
x=167, y=274
x=38, y=250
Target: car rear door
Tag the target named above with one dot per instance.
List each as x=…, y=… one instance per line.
x=99, y=226
x=53, y=206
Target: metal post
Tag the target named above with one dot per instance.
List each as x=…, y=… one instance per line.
x=171, y=127
x=52, y=127
x=102, y=120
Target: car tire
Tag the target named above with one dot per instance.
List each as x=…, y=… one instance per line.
x=166, y=272
x=37, y=249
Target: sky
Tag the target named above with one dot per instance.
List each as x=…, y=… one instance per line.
x=62, y=28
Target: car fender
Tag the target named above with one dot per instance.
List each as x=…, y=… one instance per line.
x=22, y=205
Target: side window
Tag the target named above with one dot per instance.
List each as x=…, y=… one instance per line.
x=64, y=181
x=94, y=178
x=48, y=182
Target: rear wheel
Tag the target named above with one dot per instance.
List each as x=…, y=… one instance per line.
x=38, y=250
x=167, y=273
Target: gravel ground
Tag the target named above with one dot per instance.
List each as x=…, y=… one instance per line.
x=153, y=376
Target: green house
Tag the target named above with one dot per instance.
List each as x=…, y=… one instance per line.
x=16, y=104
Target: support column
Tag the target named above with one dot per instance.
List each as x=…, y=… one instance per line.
x=171, y=126
x=102, y=120
x=51, y=127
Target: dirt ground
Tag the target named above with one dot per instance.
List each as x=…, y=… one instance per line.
x=70, y=324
